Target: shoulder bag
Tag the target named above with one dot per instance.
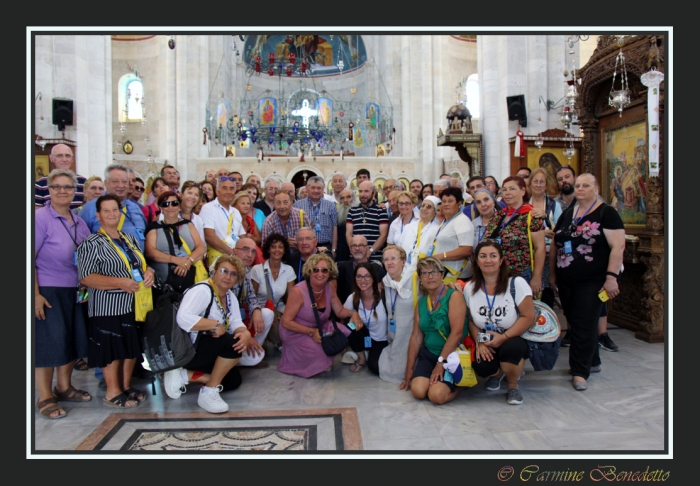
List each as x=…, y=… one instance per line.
x=274, y=334
x=543, y=336
x=333, y=342
x=178, y=283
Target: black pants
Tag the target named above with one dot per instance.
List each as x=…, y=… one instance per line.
x=210, y=348
x=582, y=309
x=512, y=351
x=357, y=344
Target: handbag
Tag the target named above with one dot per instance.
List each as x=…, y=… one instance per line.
x=166, y=345
x=143, y=302
x=333, y=342
x=200, y=272
x=274, y=334
x=543, y=336
x=177, y=282
x=459, y=365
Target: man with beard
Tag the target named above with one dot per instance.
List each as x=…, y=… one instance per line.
x=359, y=250
x=565, y=181
x=368, y=220
x=345, y=203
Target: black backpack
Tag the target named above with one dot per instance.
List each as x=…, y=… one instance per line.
x=166, y=345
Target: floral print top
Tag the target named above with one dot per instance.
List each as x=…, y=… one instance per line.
x=588, y=259
x=514, y=238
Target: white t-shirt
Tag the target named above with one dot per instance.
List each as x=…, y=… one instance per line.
x=397, y=229
x=455, y=233
x=378, y=325
x=503, y=309
x=194, y=305
x=279, y=286
x=216, y=217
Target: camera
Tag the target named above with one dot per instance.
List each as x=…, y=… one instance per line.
x=484, y=337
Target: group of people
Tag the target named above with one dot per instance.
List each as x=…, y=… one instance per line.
x=406, y=280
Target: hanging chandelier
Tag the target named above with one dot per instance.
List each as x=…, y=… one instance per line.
x=620, y=98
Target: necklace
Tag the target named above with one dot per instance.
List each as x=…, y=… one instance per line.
x=317, y=292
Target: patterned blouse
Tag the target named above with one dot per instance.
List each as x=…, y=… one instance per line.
x=514, y=238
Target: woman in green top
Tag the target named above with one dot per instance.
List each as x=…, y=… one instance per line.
x=439, y=325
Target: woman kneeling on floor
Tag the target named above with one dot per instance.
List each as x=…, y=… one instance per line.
x=438, y=323
x=493, y=316
x=209, y=312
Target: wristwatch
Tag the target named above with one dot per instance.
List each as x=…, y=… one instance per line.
x=371, y=250
x=311, y=334
x=440, y=359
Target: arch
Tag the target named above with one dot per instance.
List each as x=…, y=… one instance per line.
x=129, y=97
x=305, y=167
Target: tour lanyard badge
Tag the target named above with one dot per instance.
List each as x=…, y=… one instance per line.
x=140, y=235
x=431, y=250
x=137, y=274
x=392, y=325
x=75, y=258
x=392, y=303
x=368, y=342
x=567, y=247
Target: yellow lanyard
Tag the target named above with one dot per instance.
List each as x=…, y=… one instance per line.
x=121, y=253
x=230, y=223
x=121, y=220
x=184, y=244
x=218, y=301
x=420, y=228
x=301, y=218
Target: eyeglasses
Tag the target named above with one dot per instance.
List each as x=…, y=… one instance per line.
x=405, y=203
x=322, y=270
x=138, y=188
x=56, y=187
x=166, y=204
x=386, y=188
x=356, y=246
x=247, y=250
x=428, y=273
x=363, y=277
x=228, y=273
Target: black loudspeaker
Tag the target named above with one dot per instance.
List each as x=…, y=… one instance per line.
x=516, y=109
x=62, y=112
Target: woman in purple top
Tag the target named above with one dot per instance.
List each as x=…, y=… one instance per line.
x=59, y=326
x=302, y=353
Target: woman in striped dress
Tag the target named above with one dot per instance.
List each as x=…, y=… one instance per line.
x=111, y=265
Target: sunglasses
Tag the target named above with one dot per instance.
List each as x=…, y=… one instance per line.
x=322, y=270
x=138, y=188
x=166, y=204
x=227, y=178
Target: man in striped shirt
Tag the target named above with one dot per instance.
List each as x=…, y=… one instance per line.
x=368, y=220
x=62, y=157
x=320, y=214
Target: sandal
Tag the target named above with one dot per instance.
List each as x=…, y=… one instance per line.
x=135, y=394
x=80, y=365
x=357, y=367
x=120, y=401
x=72, y=395
x=48, y=406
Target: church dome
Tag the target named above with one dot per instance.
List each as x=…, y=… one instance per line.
x=460, y=111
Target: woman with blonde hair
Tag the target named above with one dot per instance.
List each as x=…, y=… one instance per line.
x=302, y=353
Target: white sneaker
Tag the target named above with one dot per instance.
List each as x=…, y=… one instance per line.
x=210, y=400
x=174, y=384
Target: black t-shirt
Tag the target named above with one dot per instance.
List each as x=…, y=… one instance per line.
x=590, y=251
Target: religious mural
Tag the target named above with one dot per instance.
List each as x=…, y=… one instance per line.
x=372, y=114
x=268, y=111
x=324, y=108
x=626, y=163
x=323, y=51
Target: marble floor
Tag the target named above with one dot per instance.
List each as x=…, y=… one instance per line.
x=622, y=410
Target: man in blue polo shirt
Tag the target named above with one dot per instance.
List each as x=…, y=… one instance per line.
x=320, y=214
x=132, y=221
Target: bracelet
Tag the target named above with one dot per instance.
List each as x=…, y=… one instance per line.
x=311, y=334
x=505, y=333
x=444, y=256
x=612, y=274
x=191, y=260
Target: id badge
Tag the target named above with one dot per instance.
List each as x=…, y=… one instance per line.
x=81, y=295
x=318, y=227
x=229, y=241
x=567, y=247
x=368, y=342
x=431, y=250
x=243, y=313
x=139, y=234
x=137, y=275
x=75, y=258
x=392, y=325
x=409, y=257
x=181, y=254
